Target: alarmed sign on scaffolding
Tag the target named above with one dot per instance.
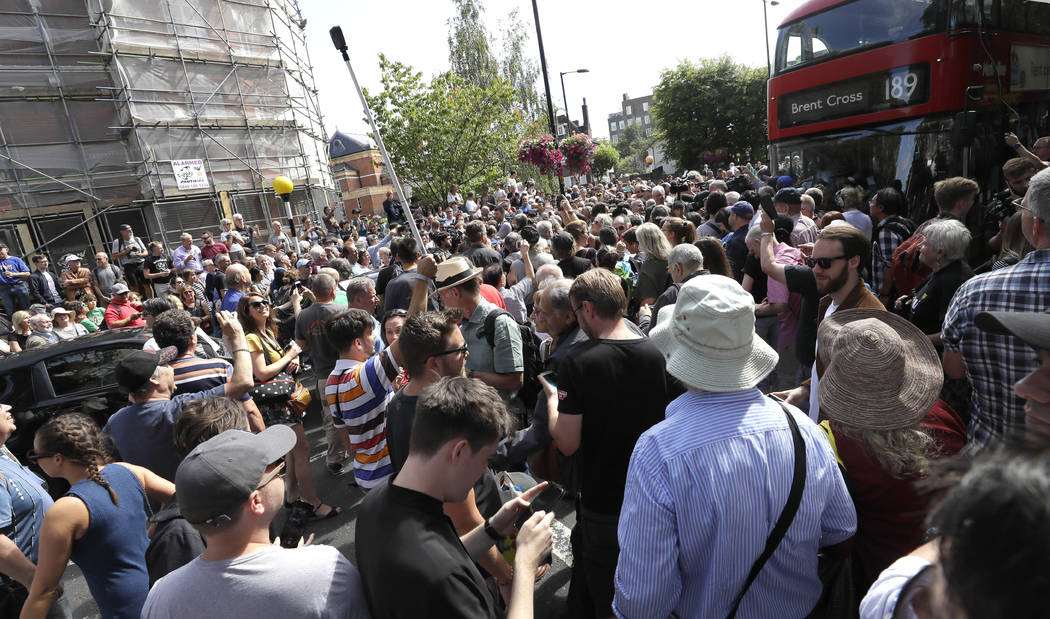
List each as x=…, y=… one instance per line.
x=340, y=44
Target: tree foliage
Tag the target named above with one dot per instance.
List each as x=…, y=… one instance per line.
x=445, y=131
x=605, y=158
x=715, y=104
x=472, y=59
x=633, y=147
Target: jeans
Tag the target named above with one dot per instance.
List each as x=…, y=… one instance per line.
x=595, y=551
x=14, y=298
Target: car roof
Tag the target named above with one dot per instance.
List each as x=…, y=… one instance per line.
x=135, y=337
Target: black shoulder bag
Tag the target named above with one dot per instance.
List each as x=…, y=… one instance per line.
x=787, y=515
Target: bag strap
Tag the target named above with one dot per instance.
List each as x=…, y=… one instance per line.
x=490, y=324
x=787, y=515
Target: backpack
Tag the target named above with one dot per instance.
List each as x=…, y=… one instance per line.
x=908, y=272
x=530, y=352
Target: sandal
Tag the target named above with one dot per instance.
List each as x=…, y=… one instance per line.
x=331, y=513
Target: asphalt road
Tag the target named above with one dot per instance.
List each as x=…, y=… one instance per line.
x=338, y=531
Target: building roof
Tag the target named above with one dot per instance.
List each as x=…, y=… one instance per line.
x=343, y=144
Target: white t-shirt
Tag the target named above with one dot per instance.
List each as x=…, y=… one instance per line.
x=312, y=581
x=881, y=599
x=814, y=405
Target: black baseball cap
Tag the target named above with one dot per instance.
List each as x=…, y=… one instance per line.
x=125, y=226
x=1033, y=328
x=137, y=367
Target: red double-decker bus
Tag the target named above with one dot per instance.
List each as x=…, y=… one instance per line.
x=873, y=89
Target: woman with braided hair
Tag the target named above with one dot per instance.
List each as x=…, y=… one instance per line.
x=100, y=523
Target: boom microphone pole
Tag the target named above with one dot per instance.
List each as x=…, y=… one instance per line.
x=340, y=44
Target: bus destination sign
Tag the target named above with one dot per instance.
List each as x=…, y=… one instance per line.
x=875, y=92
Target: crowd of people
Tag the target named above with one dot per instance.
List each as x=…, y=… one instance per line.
x=759, y=400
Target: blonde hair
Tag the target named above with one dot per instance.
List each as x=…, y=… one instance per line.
x=902, y=453
x=652, y=242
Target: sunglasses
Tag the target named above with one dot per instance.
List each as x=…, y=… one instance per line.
x=454, y=351
x=259, y=304
x=33, y=455
x=271, y=475
x=395, y=313
x=824, y=263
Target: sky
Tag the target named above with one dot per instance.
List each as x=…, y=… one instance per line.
x=625, y=45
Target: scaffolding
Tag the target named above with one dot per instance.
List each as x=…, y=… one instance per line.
x=99, y=98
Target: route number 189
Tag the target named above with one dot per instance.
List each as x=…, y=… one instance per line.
x=901, y=86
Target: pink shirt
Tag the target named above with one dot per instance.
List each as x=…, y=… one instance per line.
x=777, y=292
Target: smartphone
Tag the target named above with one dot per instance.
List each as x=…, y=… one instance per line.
x=551, y=377
x=767, y=207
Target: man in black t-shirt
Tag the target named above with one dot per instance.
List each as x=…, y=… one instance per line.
x=480, y=253
x=413, y=562
x=159, y=270
x=609, y=391
x=563, y=247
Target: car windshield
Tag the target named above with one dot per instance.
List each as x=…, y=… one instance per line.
x=854, y=27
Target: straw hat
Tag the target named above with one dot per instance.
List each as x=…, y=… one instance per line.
x=454, y=272
x=881, y=372
x=709, y=338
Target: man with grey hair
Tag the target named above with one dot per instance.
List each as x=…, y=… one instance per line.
x=41, y=331
x=993, y=362
x=311, y=335
x=658, y=194
x=545, y=229
x=238, y=279
x=683, y=263
x=361, y=294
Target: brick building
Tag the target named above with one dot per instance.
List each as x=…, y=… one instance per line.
x=356, y=166
x=632, y=111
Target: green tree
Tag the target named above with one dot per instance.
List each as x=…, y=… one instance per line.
x=605, y=158
x=633, y=147
x=472, y=58
x=469, y=56
x=716, y=103
x=445, y=131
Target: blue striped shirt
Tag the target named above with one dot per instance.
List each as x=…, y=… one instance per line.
x=704, y=489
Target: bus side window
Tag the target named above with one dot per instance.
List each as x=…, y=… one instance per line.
x=793, y=50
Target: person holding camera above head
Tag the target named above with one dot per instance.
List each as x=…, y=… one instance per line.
x=230, y=489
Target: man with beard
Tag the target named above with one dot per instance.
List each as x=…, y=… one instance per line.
x=835, y=264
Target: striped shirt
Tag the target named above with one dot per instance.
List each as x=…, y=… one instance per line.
x=704, y=490
x=995, y=362
x=357, y=394
x=193, y=374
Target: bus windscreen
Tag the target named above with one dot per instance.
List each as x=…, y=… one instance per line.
x=854, y=27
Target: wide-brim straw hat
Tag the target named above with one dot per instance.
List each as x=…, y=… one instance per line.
x=708, y=337
x=454, y=272
x=880, y=371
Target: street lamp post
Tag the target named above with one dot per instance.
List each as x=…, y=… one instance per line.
x=565, y=103
x=765, y=34
x=564, y=99
x=769, y=74
x=546, y=85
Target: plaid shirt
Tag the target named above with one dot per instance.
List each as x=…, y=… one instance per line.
x=887, y=240
x=995, y=362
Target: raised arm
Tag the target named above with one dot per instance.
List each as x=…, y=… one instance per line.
x=766, y=255
x=233, y=337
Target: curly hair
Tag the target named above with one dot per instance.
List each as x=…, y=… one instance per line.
x=78, y=438
x=902, y=453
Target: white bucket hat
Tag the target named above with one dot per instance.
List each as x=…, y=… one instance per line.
x=709, y=339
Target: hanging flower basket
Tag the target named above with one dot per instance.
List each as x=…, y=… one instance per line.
x=578, y=152
x=542, y=152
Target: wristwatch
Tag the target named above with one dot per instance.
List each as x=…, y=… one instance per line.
x=491, y=531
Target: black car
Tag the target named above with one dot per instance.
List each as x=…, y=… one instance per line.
x=71, y=376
